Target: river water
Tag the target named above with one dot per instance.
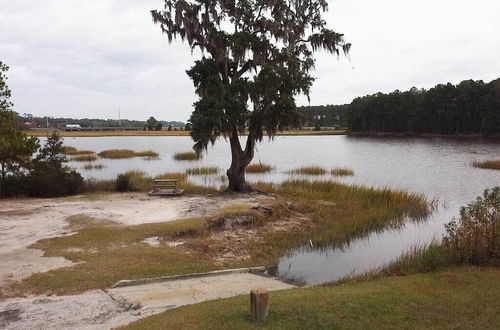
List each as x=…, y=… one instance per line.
x=436, y=167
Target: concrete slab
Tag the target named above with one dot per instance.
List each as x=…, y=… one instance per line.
x=174, y=293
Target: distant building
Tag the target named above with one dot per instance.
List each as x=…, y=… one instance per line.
x=73, y=126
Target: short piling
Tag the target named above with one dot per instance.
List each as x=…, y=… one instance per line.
x=258, y=304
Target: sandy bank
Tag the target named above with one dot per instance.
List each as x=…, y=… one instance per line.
x=25, y=221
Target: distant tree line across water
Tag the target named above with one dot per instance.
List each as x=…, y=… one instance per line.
x=324, y=115
x=470, y=107
x=51, y=122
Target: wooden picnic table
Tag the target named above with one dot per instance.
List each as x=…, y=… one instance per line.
x=166, y=187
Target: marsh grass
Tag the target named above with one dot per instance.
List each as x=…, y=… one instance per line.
x=98, y=185
x=69, y=149
x=339, y=214
x=258, y=168
x=84, y=158
x=126, y=153
x=308, y=170
x=117, y=153
x=188, y=155
x=493, y=164
x=203, y=171
x=341, y=171
x=147, y=153
x=72, y=151
x=89, y=167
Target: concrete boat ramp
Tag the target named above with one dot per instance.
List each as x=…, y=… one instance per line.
x=131, y=300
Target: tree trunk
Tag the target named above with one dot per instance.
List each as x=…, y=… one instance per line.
x=2, y=180
x=239, y=161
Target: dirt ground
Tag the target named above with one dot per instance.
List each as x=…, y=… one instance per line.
x=25, y=221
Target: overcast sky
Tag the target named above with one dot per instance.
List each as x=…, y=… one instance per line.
x=84, y=58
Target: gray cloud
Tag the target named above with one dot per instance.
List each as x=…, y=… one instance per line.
x=85, y=58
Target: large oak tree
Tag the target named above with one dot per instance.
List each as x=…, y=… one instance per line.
x=257, y=56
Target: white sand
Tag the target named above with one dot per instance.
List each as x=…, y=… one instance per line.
x=25, y=221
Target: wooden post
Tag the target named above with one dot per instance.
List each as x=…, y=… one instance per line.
x=258, y=304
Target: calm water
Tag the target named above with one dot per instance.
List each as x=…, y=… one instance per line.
x=435, y=167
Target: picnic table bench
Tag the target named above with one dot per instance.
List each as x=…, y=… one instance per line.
x=166, y=187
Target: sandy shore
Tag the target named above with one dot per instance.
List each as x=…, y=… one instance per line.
x=25, y=221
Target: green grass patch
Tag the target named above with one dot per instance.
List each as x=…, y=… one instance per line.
x=341, y=171
x=309, y=170
x=258, y=168
x=493, y=164
x=202, y=171
x=455, y=298
x=188, y=155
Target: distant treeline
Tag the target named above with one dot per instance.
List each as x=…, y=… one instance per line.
x=37, y=122
x=324, y=115
x=471, y=107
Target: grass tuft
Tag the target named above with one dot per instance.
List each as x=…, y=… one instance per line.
x=342, y=171
x=258, y=168
x=147, y=153
x=84, y=158
x=117, y=153
x=188, y=155
x=72, y=151
x=493, y=164
x=309, y=170
x=202, y=170
x=89, y=167
x=127, y=153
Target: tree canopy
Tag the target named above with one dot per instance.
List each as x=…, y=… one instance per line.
x=15, y=147
x=153, y=125
x=469, y=107
x=257, y=57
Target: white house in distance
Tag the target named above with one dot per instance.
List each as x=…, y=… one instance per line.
x=73, y=126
